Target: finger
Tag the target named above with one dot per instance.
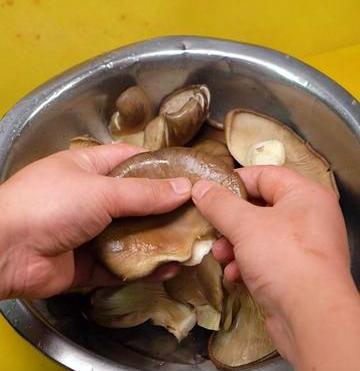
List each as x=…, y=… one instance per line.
x=222, y=208
x=223, y=251
x=232, y=272
x=139, y=196
x=90, y=273
x=270, y=183
x=164, y=273
x=104, y=158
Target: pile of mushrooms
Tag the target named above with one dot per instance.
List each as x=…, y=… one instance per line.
x=183, y=141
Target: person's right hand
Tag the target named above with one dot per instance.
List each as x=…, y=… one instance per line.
x=293, y=256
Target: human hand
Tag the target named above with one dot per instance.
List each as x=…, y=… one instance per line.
x=293, y=256
x=60, y=202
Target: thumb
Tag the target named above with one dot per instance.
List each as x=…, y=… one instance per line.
x=222, y=208
x=140, y=196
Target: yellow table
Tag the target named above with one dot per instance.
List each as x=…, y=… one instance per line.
x=40, y=38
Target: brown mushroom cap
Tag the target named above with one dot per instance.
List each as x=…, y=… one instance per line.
x=175, y=101
x=133, y=112
x=181, y=161
x=134, y=247
x=181, y=115
x=244, y=129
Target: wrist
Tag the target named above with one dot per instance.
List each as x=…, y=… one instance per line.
x=6, y=249
x=314, y=321
x=4, y=260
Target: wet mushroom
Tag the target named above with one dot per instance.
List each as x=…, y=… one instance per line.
x=133, y=112
x=246, y=342
x=254, y=139
x=134, y=247
x=180, y=117
x=138, y=302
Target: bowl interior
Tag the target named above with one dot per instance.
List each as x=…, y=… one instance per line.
x=81, y=103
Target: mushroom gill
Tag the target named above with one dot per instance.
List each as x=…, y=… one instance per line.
x=201, y=287
x=254, y=138
x=246, y=342
x=138, y=302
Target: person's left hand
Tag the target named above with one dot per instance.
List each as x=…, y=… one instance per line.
x=60, y=202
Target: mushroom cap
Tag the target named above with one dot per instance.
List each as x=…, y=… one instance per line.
x=175, y=101
x=133, y=112
x=244, y=129
x=134, y=247
x=181, y=161
x=181, y=116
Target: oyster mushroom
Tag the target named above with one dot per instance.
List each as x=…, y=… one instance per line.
x=209, y=274
x=246, y=342
x=181, y=115
x=83, y=142
x=254, y=139
x=200, y=286
x=134, y=247
x=138, y=302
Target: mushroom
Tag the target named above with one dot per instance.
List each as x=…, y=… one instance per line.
x=134, y=247
x=209, y=274
x=254, y=139
x=180, y=117
x=215, y=148
x=138, y=302
x=246, y=342
x=201, y=287
x=133, y=111
x=83, y=142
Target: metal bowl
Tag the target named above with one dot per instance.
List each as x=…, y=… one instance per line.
x=79, y=101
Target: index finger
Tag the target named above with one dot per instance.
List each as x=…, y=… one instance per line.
x=270, y=183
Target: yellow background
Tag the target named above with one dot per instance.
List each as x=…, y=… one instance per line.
x=40, y=38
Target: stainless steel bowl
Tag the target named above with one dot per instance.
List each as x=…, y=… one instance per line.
x=79, y=101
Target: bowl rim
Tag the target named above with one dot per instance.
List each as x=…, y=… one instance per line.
x=17, y=312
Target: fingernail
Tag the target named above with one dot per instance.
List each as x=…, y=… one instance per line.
x=181, y=185
x=200, y=189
